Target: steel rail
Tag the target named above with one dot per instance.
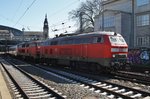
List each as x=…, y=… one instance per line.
x=54, y=94
x=132, y=77
x=15, y=83
x=92, y=86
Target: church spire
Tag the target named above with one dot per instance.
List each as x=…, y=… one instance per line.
x=46, y=15
x=45, y=28
x=45, y=22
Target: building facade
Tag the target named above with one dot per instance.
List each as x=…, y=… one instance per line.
x=32, y=35
x=127, y=17
x=9, y=33
x=142, y=23
x=37, y=35
x=5, y=35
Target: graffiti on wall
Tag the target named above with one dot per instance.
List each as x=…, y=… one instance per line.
x=139, y=56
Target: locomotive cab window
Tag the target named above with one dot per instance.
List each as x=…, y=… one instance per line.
x=19, y=46
x=45, y=43
x=31, y=45
x=54, y=42
x=23, y=45
x=27, y=45
x=98, y=39
x=83, y=40
x=38, y=43
x=66, y=41
x=117, y=40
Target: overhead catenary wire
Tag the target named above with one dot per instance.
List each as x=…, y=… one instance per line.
x=24, y=12
x=62, y=9
x=18, y=8
x=7, y=19
x=59, y=23
x=28, y=8
x=2, y=16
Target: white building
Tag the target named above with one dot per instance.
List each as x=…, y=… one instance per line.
x=5, y=35
x=116, y=17
x=32, y=35
x=131, y=18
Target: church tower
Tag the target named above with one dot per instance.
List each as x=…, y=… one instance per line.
x=45, y=28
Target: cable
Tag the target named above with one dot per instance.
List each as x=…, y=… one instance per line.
x=58, y=11
x=17, y=9
x=51, y=14
x=7, y=19
x=25, y=12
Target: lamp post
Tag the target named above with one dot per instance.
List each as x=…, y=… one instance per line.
x=23, y=34
x=81, y=22
x=132, y=26
x=102, y=5
x=6, y=43
x=63, y=27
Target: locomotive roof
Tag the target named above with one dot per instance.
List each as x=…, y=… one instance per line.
x=81, y=35
x=100, y=33
x=88, y=34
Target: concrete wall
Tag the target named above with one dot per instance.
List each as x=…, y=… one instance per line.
x=122, y=10
x=126, y=28
x=121, y=5
x=143, y=8
x=142, y=31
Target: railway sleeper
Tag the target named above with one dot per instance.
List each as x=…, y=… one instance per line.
x=136, y=95
x=32, y=91
x=43, y=96
x=36, y=94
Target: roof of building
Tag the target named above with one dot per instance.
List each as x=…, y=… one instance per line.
x=33, y=32
x=15, y=31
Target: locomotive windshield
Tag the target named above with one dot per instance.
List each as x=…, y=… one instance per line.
x=117, y=40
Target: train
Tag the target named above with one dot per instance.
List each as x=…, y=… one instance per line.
x=93, y=51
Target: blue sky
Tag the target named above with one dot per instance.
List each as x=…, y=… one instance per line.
x=57, y=13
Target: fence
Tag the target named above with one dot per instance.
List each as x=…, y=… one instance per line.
x=139, y=56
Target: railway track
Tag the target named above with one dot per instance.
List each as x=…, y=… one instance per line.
x=107, y=89
x=25, y=86
x=134, y=77
x=111, y=90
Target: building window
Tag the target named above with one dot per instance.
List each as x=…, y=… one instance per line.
x=143, y=20
x=109, y=21
x=147, y=40
x=139, y=41
x=142, y=2
x=143, y=41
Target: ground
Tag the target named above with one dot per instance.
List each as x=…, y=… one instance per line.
x=4, y=91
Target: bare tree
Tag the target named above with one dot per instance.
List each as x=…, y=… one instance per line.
x=85, y=13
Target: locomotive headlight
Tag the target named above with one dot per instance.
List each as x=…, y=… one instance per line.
x=113, y=55
x=119, y=55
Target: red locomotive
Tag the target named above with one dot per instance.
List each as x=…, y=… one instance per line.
x=93, y=51
x=29, y=50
